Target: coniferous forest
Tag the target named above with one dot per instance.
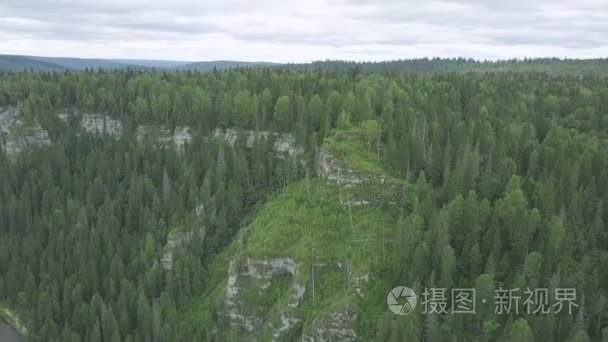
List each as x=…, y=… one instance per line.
x=487, y=181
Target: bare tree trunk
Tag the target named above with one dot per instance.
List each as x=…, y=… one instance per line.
x=378, y=143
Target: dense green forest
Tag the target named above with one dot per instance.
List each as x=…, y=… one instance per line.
x=554, y=66
x=488, y=180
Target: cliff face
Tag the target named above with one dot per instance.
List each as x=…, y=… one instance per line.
x=283, y=142
x=17, y=133
x=263, y=299
x=334, y=170
x=101, y=124
x=97, y=124
x=303, y=269
x=249, y=282
x=336, y=325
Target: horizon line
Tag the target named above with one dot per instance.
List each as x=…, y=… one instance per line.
x=468, y=59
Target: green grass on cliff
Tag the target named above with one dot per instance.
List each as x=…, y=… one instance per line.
x=310, y=215
x=310, y=222
x=351, y=147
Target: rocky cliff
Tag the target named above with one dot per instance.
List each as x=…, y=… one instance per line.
x=303, y=269
x=17, y=132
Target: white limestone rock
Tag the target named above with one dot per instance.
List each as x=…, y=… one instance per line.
x=101, y=125
x=16, y=133
x=339, y=325
x=247, y=272
x=334, y=171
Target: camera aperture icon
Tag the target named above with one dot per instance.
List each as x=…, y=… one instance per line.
x=401, y=300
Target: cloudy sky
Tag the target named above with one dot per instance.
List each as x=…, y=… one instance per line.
x=304, y=30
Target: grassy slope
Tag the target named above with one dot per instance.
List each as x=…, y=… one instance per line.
x=352, y=147
x=307, y=214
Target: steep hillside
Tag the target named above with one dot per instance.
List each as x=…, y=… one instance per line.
x=307, y=266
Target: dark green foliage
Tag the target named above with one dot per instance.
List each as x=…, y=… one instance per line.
x=505, y=181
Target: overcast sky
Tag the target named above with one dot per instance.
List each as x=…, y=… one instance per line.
x=304, y=30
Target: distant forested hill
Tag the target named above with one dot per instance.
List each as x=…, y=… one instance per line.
x=553, y=66
x=84, y=63
x=13, y=63
x=203, y=66
x=547, y=65
x=20, y=63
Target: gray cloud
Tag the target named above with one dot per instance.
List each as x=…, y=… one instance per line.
x=278, y=30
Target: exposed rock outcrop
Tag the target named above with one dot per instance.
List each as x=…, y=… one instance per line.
x=283, y=142
x=181, y=136
x=7, y=118
x=359, y=283
x=287, y=325
x=101, y=124
x=16, y=133
x=249, y=280
x=362, y=186
x=160, y=134
x=335, y=171
x=337, y=325
x=180, y=239
x=163, y=135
